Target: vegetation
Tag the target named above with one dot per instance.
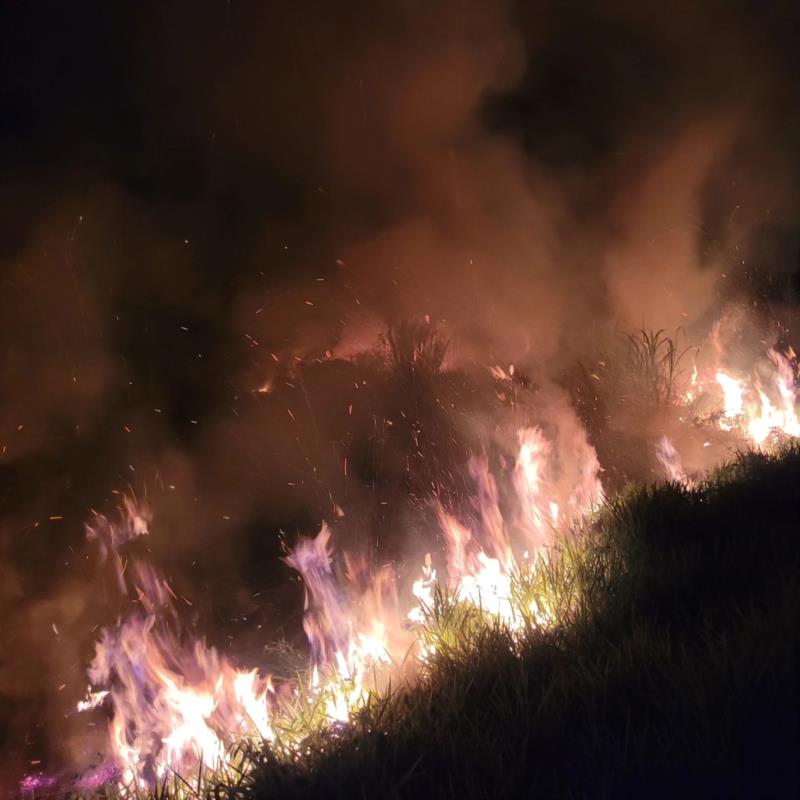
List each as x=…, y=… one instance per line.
x=653, y=364
x=646, y=368
x=672, y=669
x=633, y=387
x=416, y=347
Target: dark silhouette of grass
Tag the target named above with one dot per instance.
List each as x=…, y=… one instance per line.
x=630, y=378
x=673, y=671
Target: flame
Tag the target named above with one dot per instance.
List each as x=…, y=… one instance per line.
x=348, y=648
x=173, y=707
x=691, y=391
x=548, y=497
x=733, y=398
x=483, y=575
x=537, y=507
x=423, y=590
x=475, y=577
x=178, y=706
x=758, y=411
x=671, y=461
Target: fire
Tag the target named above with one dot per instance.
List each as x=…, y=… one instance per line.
x=757, y=409
x=541, y=511
x=733, y=397
x=547, y=496
x=423, y=590
x=347, y=648
x=177, y=706
x=671, y=461
x=483, y=575
x=174, y=707
x=760, y=411
x=477, y=578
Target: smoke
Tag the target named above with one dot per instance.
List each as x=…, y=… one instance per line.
x=205, y=201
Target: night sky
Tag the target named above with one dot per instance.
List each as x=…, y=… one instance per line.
x=201, y=199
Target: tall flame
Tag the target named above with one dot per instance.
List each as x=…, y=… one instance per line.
x=347, y=645
x=175, y=706
x=483, y=576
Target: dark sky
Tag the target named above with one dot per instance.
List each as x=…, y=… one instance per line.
x=200, y=197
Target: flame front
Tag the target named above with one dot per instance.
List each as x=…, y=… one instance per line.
x=177, y=706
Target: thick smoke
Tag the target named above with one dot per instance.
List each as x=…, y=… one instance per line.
x=207, y=200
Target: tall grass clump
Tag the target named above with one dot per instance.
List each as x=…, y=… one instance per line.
x=628, y=393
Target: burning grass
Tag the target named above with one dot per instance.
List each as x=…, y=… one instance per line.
x=542, y=592
x=672, y=667
x=667, y=665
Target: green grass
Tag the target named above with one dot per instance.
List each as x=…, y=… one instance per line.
x=672, y=671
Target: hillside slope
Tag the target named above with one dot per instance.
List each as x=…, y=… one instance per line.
x=677, y=674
